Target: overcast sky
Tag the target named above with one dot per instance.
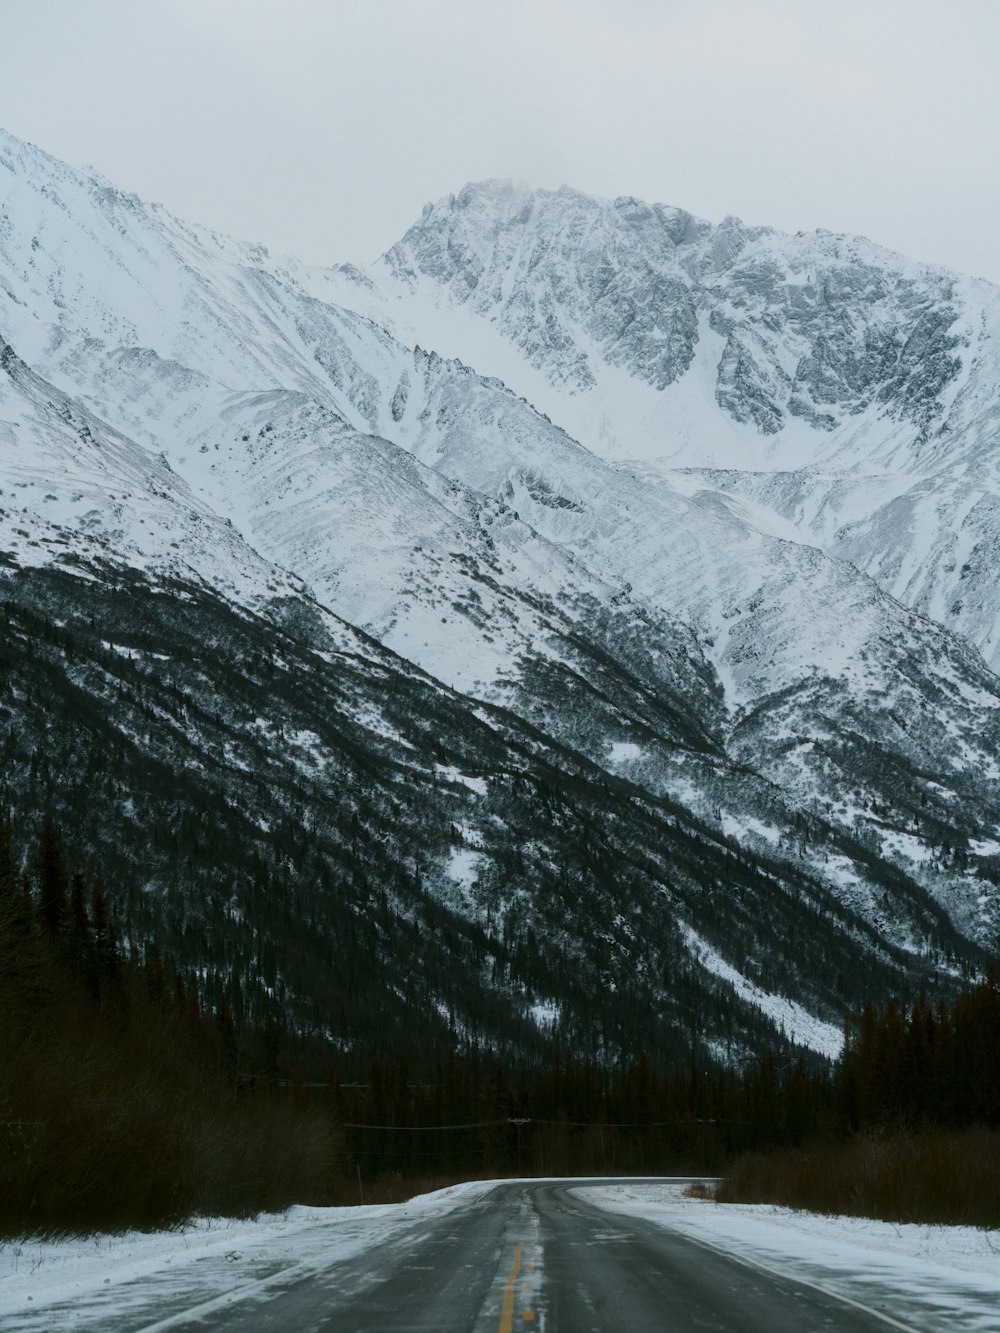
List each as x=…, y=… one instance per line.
x=322, y=126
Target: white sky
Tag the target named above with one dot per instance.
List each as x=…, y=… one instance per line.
x=322, y=126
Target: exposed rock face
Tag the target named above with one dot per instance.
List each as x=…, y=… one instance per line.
x=817, y=326
x=565, y=276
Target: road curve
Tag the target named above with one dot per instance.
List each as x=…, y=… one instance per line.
x=524, y=1256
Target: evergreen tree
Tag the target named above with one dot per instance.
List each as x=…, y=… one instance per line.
x=105, y=954
x=9, y=879
x=51, y=880
x=79, y=922
x=15, y=910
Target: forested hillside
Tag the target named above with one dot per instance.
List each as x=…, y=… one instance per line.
x=345, y=846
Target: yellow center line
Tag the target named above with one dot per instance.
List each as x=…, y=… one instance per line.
x=507, y=1312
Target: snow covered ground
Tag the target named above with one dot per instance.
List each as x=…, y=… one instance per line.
x=100, y=1281
x=913, y=1277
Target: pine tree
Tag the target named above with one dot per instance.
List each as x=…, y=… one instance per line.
x=9, y=879
x=105, y=954
x=15, y=907
x=51, y=880
x=79, y=922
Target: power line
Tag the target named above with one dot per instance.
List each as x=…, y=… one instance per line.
x=427, y=1129
x=566, y=1124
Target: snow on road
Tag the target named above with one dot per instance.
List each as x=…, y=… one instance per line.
x=915, y=1276
x=199, y=1267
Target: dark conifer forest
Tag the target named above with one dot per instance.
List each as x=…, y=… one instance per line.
x=130, y=1094
x=128, y=1098
x=233, y=974
x=916, y=1101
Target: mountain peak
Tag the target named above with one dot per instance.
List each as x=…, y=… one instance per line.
x=510, y=202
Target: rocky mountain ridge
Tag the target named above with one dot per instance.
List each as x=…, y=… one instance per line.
x=841, y=395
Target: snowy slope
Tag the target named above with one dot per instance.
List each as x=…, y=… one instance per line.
x=76, y=491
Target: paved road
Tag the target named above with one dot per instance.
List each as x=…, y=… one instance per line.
x=526, y=1256
x=613, y=1274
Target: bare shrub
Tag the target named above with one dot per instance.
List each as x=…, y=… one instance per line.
x=939, y=1177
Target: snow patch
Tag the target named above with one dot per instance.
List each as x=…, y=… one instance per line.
x=797, y=1023
x=463, y=867
x=739, y=828
x=624, y=752
x=448, y=773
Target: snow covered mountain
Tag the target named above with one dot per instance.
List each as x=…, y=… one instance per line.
x=705, y=510
x=842, y=396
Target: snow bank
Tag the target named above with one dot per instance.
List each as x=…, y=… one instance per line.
x=912, y=1277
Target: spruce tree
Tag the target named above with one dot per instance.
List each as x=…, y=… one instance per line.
x=15, y=903
x=78, y=919
x=9, y=880
x=51, y=880
x=105, y=954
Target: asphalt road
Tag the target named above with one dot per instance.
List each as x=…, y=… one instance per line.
x=526, y=1256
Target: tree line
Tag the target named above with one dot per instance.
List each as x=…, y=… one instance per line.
x=131, y=1095
x=916, y=1066
x=916, y=1134
x=123, y=1101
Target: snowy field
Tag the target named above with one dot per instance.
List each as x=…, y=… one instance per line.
x=913, y=1277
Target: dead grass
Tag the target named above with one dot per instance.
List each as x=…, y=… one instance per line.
x=699, y=1190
